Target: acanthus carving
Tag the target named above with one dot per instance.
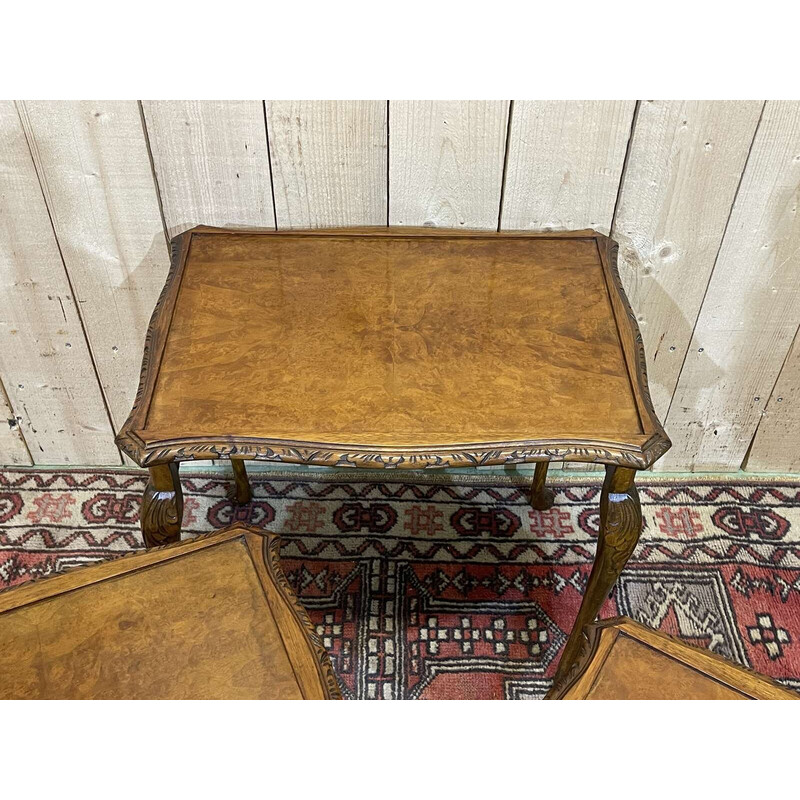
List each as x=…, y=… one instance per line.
x=340, y=456
x=621, y=520
x=161, y=511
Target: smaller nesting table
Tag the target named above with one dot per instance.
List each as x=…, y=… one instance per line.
x=623, y=660
x=208, y=618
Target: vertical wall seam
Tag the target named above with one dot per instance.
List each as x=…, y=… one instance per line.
x=30, y=140
x=271, y=169
x=624, y=172
x=716, y=259
x=388, y=166
x=154, y=174
x=795, y=340
x=504, y=174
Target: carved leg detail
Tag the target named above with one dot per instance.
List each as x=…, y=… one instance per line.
x=541, y=497
x=241, y=494
x=162, y=506
x=620, y=528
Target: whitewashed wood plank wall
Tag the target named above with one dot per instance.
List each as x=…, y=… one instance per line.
x=702, y=196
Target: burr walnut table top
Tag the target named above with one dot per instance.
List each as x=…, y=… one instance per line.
x=393, y=347
x=623, y=660
x=208, y=618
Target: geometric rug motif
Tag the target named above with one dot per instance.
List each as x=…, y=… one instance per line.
x=424, y=585
x=694, y=606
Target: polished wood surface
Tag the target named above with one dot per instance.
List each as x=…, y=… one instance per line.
x=393, y=347
x=623, y=660
x=393, y=341
x=207, y=618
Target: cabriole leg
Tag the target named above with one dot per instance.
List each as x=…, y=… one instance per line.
x=620, y=528
x=241, y=492
x=162, y=506
x=541, y=497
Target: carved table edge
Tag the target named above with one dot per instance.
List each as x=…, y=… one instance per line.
x=636, y=361
x=271, y=555
x=155, y=338
x=341, y=455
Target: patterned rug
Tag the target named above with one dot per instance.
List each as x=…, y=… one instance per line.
x=453, y=586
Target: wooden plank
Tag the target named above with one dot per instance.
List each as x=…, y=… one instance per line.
x=95, y=172
x=684, y=165
x=45, y=362
x=328, y=162
x=211, y=162
x=13, y=450
x=565, y=159
x=776, y=446
x=446, y=162
x=751, y=311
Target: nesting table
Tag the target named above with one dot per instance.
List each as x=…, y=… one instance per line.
x=397, y=349
x=623, y=660
x=209, y=618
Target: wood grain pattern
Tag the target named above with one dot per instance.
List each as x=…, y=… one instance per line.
x=211, y=161
x=95, y=172
x=328, y=162
x=752, y=307
x=565, y=159
x=683, y=154
x=776, y=445
x=45, y=364
x=395, y=354
x=446, y=162
x=623, y=660
x=212, y=617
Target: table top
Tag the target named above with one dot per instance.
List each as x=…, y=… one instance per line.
x=393, y=348
x=208, y=618
x=624, y=660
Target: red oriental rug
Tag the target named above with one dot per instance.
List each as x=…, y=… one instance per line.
x=452, y=586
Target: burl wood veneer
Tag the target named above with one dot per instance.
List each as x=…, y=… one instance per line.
x=623, y=660
x=397, y=348
x=208, y=618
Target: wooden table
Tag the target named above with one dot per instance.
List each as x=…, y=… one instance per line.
x=397, y=348
x=623, y=660
x=211, y=617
